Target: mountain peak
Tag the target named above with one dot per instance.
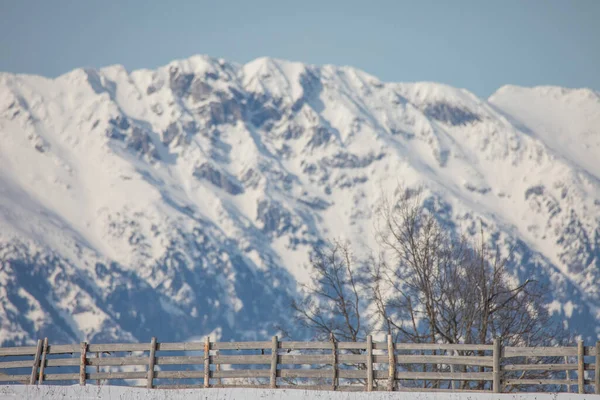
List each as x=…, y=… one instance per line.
x=192, y=195
x=551, y=91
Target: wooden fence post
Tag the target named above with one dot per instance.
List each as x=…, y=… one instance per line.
x=369, y=363
x=43, y=362
x=497, y=355
x=597, y=373
x=151, y=363
x=273, y=380
x=568, y=375
x=580, y=367
x=392, y=364
x=218, y=369
x=82, y=363
x=98, y=355
x=500, y=381
x=36, y=362
x=207, y=362
x=334, y=365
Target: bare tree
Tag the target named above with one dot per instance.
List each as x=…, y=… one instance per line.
x=332, y=305
x=434, y=287
x=427, y=285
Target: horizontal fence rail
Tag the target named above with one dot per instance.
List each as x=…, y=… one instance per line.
x=332, y=365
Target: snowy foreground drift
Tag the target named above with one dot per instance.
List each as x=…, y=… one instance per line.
x=124, y=393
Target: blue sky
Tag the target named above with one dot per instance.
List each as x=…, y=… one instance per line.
x=479, y=45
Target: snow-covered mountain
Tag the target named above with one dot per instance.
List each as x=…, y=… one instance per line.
x=184, y=201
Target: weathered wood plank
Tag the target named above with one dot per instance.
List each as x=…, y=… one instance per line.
x=62, y=377
x=240, y=345
x=207, y=362
x=243, y=373
x=118, y=375
x=405, y=389
x=544, y=367
x=98, y=355
x=362, y=359
x=182, y=360
x=382, y=359
x=463, y=360
x=590, y=350
x=352, y=345
x=597, y=368
x=360, y=388
x=349, y=359
x=199, y=386
x=82, y=359
x=218, y=368
x=243, y=359
x=334, y=362
x=304, y=373
x=151, y=362
x=304, y=359
x=179, y=386
x=62, y=362
x=63, y=348
x=242, y=386
x=442, y=346
x=273, y=377
x=18, y=351
x=179, y=375
x=36, y=362
x=352, y=358
x=517, y=382
x=567, y=374
x=18, y=378
x=497, y=353
x=125, y=347
x=43, y=360
x=446, y=376
x=391, y=364
x=360, y=374
x=305, y=387
x=115, y=361
x=352, y=388
x=305, y=345
x=15, y=364
x=369, y=363
x=580, y=370
x=511, y=351
x=189, y=346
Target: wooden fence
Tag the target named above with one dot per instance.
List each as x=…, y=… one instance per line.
x=347, y=366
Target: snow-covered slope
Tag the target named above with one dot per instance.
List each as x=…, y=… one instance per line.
x=184, y=201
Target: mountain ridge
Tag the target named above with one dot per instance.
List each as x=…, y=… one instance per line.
x=187, y=190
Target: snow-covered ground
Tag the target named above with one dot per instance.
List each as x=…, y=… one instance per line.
x=125, y=393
